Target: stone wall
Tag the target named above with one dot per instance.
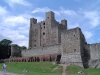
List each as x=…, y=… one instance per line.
x=15, y=51
x=95, y=51
x=70, y=41
x=94, y=55
x=55, y=49
x=85, y=55
x=72, y=58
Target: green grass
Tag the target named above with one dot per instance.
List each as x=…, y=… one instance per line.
x=73, y=70
x=93, y=71
x=45, y=68
x=35, y=68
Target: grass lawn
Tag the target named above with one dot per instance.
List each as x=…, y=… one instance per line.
x=45, y=68
x=35, y=68
x=73, y=70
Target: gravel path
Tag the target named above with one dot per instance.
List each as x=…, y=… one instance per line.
x=2, y=73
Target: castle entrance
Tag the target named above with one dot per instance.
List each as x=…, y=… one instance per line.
x=58, y=59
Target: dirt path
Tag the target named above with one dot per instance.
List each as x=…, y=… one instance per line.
x=55, y=68
x=64, y=69
x=2, y=73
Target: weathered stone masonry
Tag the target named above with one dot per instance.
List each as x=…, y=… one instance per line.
x=51, y=40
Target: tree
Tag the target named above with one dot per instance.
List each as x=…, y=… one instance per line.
x=23, y=47
x=5, y=48
x=6, y=42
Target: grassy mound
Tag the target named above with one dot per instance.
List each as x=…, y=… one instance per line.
x=34, y=68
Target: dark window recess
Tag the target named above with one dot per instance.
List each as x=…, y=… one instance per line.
x=34, y=45
x=35, y=29
x=43, y=33
x=41, y=27
x=35, y=34
x=48, y=17
x=44, y=27
x=35, y=40
x=74, y=35
x=44, y=23
x=74, y=50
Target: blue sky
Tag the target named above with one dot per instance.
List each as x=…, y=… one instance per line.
x=15, y=16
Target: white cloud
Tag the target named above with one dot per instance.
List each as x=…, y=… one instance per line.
x=74, y=25
x=93, y=16
x=16, y=20
x=88, y=34
x=43, y=10
x=67, y=12
x=15, y=36
x=59, y=12
x=15, y=28
x=3, y=11
x=39, y=18
x=21, y=2
x=39, y=10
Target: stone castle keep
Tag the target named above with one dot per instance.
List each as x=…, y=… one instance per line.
x=50, y=40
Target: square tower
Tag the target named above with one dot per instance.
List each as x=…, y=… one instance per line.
x=50, y=15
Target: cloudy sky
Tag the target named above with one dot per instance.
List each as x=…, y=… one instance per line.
x=15, y=15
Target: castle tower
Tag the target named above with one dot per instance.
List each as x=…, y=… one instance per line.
x=50, y=15
x=64, y=23
x=33, y=21
x=46, y=32
x=52, y=36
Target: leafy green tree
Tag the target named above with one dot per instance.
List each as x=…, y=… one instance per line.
x=23, y=47
x=5, y=48
x=6, y=42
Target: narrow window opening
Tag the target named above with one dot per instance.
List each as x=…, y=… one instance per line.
x=74, y=50
x=34, y=45
x=43, y=33
x=44, y=23
x=35, y=40
x=44, y=27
